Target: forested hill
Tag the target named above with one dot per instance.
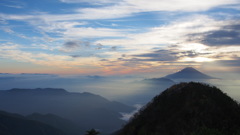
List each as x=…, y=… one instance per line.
x=14, y=124
x=187, y=109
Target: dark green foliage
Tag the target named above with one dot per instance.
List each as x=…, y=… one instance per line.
x=207, y=131
x=92, y=132
x=184, y=109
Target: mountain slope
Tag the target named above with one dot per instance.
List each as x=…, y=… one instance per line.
x=85, y=109
x=189, y=73
x=187, y=109
x=12, y=124
x=68, y=127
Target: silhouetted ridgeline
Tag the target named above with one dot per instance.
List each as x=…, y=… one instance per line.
x=85, y=109
x=187, y=109
x=67, y=126
x=13, y=124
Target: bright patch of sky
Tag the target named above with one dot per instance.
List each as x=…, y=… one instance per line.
x=119, y=37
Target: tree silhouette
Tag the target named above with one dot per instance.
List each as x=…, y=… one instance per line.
x=92, y=132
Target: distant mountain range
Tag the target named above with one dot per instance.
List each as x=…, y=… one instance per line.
x=189, y=73
x=85, y=109
x=13, y=124
x=162, y=80
x=187, y=109
x=152, y=86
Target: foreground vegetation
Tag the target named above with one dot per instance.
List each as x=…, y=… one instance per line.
x=187, y=109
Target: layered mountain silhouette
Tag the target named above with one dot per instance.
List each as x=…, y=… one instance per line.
x=189, y=73
x=187, y=109
x=13, y=124
x=153, y=86
x=67, y=126
x=85, y=109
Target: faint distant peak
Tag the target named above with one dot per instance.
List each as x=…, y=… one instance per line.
x=162, y=79
x=38, y=91
x=34, y=74
x=37, y=74
x=95, y=76
x=4, y=73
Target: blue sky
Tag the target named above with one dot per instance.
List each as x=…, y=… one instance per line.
x=119, y=37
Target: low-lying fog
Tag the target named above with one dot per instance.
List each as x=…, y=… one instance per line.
x=130, y=90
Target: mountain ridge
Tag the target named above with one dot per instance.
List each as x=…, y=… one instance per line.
x=67, y=126
x=86, y=109
x=15, y=124
x=187, y=109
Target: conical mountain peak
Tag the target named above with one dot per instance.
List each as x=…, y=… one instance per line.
x=189, y=73
x=189, y=69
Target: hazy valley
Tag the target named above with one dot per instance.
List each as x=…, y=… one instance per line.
x=76, y=112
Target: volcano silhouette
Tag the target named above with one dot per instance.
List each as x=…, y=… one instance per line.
x=189, y=73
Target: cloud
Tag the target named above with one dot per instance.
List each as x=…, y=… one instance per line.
x=56, y=26
x=75, y=56
x=227, y=35
x=70, y=29
x=89, y=32
x=130, y=7
x=114, y=48
x=230, y=63
x=8, y=46
x=7, y=30
x=72, y=25
x=76, y=45
x=89, y=1
x=128, y=116
x=159, y=55
x=14, y=52
x=178, y=5
x=65, y=26
x=126, y=8
x=71, y=46
x=179, y=31
x=13, y=4
x=99, y=46
x=167, y=55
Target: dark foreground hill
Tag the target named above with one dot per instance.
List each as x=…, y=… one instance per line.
x=187, y=109
x=67, y=126
x=13, y=124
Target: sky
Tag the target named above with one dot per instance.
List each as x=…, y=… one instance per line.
x=119, y=37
